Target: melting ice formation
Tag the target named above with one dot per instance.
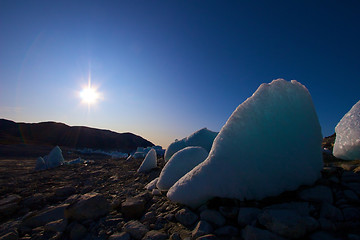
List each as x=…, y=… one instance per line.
x=347, y=141
x=149, y=162
x=271, y=143
x=203, y=138
x=54, y=159
x=179, y=164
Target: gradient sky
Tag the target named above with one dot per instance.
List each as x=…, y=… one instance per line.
x=168, y=68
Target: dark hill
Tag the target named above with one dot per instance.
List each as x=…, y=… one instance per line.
x=52, y=133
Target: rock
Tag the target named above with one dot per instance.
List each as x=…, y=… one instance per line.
x=202, y=228
x=247, y=216
x=120, y=236
x=302, y=208
x=351, y=196
x=229, y=212
x=353, y=237
x=64, y=192
x=287, y=223
x=330, y=212
x=186, y=217
x=155, y=235
x=351, y=214
x=253, y=233
x=10, y=236
x=78, y=231
x=156, y=192
x=56, y=226
x=34, y=201
x=213, y=216
x=326, y=224
x=321, y=235
x=207, y=237
x=317, y=194
x=349, y=176
x=149, y=217
x=88, y=206
x=227, y=231
x=45, y=216
x=133, y=208
x=136, y=229
x=9, y=205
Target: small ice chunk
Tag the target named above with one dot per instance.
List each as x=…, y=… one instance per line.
x=149, y=162
x=40, y=164
x=55, y=158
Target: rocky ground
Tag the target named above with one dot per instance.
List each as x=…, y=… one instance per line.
x=107, y=199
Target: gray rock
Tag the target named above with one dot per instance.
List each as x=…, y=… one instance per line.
x=133, y=208
x=247, y=216
x=9, y=205
x=136, y=229
x=351, y=196
x=317, y=194
x=351, y=214
x=34, y=201
x=229, y=212
x=253, y=233
x=213, y=216
x=149, y=217
x=56, y=226
x=302, y=208
x=330, y=212
x=186, y=217
x=287, y=223
x=155, y=235
x=202, y=228
x=156, y=192
x=13, y=198
x=78, y=231
x=326, y=224
x=120, y=236
x=41, y=218
x=88, y=206
x=227, y=231
x=321, y=235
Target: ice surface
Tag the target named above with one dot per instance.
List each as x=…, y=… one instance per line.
x=179, y=164
x=149, y=161
x=40, y=164
x=54, y=159
x=347, y=141
x=202, y=138
x=271, y=143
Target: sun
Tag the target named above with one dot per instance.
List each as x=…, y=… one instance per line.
x=89, y=95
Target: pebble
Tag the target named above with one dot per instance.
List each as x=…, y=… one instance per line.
x=247, y=216
x=155, y=235
x=133, y=208
x=186, y=217
x=227, y=231
x=330, y=212
x=317, y=194
x=202, y=228
x=120, y=236
x=253, y=233
x=136, y=229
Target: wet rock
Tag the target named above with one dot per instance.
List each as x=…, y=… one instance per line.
x=56, y=226
x=120, y=236
x=186, y=217
x=78, y=231
x=133, y=208
x=287, y=223
x=213, y=216
x=88, y=206
x=45, y=216
x=202, y=228
x=317, y=194
x=247, y=216
x=136, y=229
x=227, y=231
x=330, y=212
x=253, y=233
x=155, y=235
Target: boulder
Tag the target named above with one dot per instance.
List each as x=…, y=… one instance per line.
x=133, y=208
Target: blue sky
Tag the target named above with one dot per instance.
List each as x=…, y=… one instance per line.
x=168, y=68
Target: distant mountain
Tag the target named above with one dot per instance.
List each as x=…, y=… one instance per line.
x=53, y=133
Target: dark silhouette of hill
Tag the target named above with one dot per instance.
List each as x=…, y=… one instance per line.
x=53, y=133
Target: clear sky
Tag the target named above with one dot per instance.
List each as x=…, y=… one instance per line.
x=165, y=69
